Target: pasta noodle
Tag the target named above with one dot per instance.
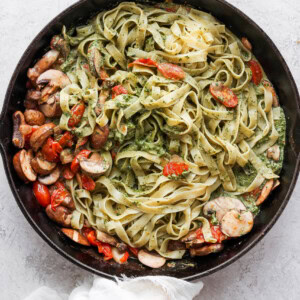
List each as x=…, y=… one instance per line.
x=161, y=117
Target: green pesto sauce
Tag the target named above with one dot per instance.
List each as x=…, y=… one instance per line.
x=244, y=176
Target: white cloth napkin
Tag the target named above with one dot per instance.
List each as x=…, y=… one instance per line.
x=142, y=288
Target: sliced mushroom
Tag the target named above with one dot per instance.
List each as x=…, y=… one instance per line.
x=106, y=238
x=99, y=137
x=34, y=117
x=25, y=160
x=54, y=79
x=33, y=95
x=276, y=184
x=66, y=156
x=232, y=215
x=151, y=260
x=25, y=129
x=95, y=60
x=17, y=166
x=195, y=243
x=206, y=250
x=75, y=236
x=221, y=205
x=30, y=104
x=61, y=215
x=265, y=192
x=122, y=247
x=50, y=178
x=51, y=108
x=93, y=166
x=246, y=44
x=68, y=202
x=42, y=166
x=235, y=224
x=274, y=153
x=192, y=235
x=117, y=255
x=176, y=245
x=42, y=65
x=59, y=44
x=18, y=138
x=104, y=93
x=38, y=138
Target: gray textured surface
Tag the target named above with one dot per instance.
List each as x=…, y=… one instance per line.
x=270, y=271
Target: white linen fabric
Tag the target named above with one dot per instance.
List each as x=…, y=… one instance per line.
x=145, y=288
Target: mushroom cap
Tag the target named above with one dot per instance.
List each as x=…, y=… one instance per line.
x=93, y=166
x=25, y=161
x=17, y=166
x=42, y=166
x=61, y=215
x=106, y=238
x=66, y=156
x=51, y=107
x=150, y=259
x=235, y=224
x=53, y=78
x=18, y=138
x=34, y=117
x=51, y=178
x=75, y=236
x=117, y=255
x=38, y=138
x=221, y=205
x=99, y=137
x=206, y=250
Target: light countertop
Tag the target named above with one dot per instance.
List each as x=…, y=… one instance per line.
x=269, y=271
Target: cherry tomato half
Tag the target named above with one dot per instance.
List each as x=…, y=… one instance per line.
x=41, y=193
x=223, y=94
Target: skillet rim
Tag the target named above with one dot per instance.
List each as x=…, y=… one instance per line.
x=6, y=163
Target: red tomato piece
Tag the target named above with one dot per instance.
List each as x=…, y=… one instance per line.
x=223, y=94
x=41, y=193
x=75, y=163
x=50, y=150
x=134, y=251
x=102, y=247
x=67, y=173
x=77, y=112
x=144, y=62
x=65, y=138
x=58, y=195
x=124, y=257
x=118, y=90
x=91, y=236
x=171, y=71
x=57, y=148
x=256, y=71
x=106, y=250
x=87, y=182
x=200, y=235
x=174, y=168
x=218, y=234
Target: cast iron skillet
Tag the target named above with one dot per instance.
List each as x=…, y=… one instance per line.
x=188, y=268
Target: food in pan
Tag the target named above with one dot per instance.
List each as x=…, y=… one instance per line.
x=152, y=132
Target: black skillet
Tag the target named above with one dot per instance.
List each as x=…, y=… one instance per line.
x=189, y=269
